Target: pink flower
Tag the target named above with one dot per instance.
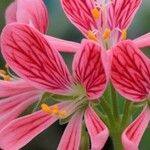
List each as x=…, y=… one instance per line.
x=23, y=94
x=35, y=14
x=33, y=58
x=103, y=21
x=130, y=75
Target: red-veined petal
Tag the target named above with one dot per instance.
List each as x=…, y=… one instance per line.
x=34, y=59
x=122, y=12
x=96, y=128
x=12, y=107
x=143, y=41
x=72, y=135
x=21, y=131
x=132, y=135
x=130, y=71
x=90, y=70
x=80, y=14
x=30, y=12
x=14, y=87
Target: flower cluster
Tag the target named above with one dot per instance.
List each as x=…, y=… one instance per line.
x=105, y=63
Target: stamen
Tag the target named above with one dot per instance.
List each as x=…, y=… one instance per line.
x=46, y=108
x=53, y=110
x=3, y=74
x=91, y=36
x=96, y=13
x=124, y=34
x=106, y=34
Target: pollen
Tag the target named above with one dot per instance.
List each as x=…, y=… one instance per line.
x=96, y=13
x=46, y=108
x=4, y=76
x=54, y=110
x=91, y=36
x=106, y=34
x=124, y=34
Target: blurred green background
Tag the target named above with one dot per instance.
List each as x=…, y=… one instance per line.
x=60, y=27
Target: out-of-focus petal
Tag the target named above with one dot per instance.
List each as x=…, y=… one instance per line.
x=97, y=130
x=10, y=88
x=21, y=131
x=132, y=135
x=143, y=41
x=12, y=107
x=72, y=135
x=122, y=12
x=30, y=55
x=80, y=14
x=10, y=14
x=130, y=71
x=32, y=12
x=90, y=70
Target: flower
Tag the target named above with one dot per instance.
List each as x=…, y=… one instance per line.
x=25, y=11
x=103, y=21
x=130, y=75
x=33, y=58
x=22, y=94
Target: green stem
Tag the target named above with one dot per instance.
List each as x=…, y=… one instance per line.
x=106, y=107
x=116, y=138
x=114, y=103
x=126, y=114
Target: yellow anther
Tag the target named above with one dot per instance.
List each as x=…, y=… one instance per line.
x=96, y=13
x=46, y=108
x=55, y=109
x=2, y=72
x=7, y=78
x=106, y=34
x=124, y=34
x=91, y=36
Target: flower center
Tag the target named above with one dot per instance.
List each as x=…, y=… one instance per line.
x=78, y=103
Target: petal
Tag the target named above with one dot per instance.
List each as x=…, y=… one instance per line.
x=143, y=41
x=10, y=14
x=90, y=70
x=72, y=135
x=130, y=71
x=10, y=88
x=12, y=107
x=30, y=12
x=97, y=130
x=63, y=45
x=22, y=130
x=122, y=12
x=34, y=59
x=132, y=135
x=79, y=13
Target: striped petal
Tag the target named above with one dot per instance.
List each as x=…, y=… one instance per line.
x=130, y=71
x=143, y=41
x=90, y=70
x=122, y=12
x=12, y=107
x=132, y=135
x=34, y=59
x=80, y=14
x=30, y=12
x=72, y=135
x=96, y=128
x=22, y=130
x=10, y=88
